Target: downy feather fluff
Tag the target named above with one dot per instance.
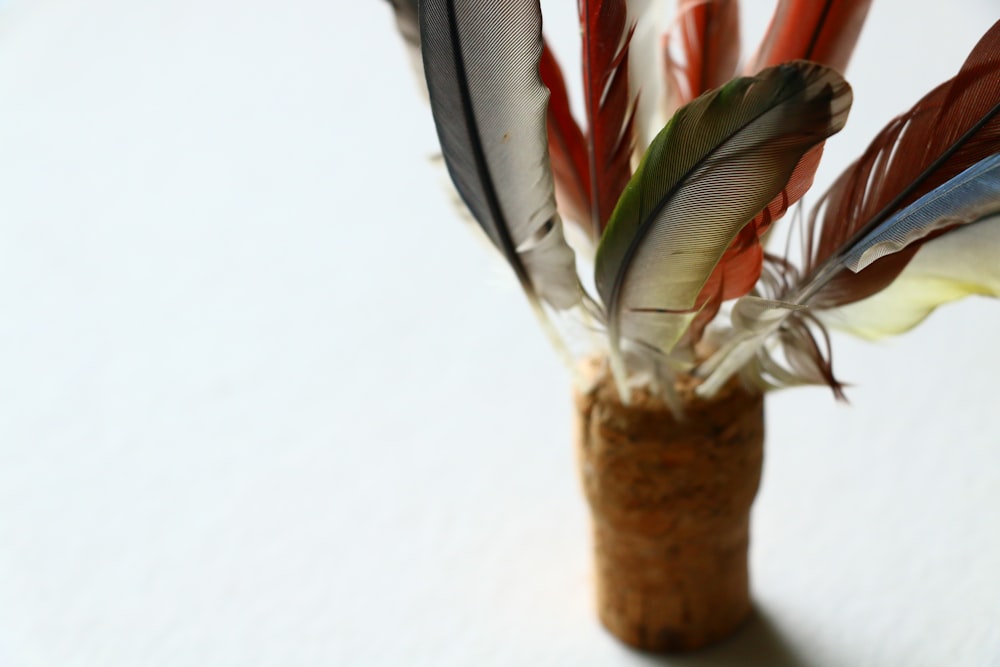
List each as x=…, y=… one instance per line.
x=971, y=199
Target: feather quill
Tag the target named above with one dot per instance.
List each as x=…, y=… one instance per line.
x=712, y=169
x=489, y=107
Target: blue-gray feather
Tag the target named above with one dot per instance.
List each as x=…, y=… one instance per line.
x=969, y=196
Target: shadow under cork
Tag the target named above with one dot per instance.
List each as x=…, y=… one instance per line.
x=757, y=643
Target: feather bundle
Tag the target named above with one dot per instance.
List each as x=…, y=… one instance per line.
x=949, y=130
x=913, y=223
x=719, y=161
x=823, y=31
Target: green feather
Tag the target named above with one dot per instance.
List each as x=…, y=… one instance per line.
x=716, y=165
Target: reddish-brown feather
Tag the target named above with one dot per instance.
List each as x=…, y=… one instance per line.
x=706, y=33
x=608, y=104
x=824, y=31
x=567, y=146
x=899, y=167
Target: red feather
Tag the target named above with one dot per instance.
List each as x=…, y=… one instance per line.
x=824, y=31
x=706, y=34
x=567, y=146
x=608, y=104
x=950, y=129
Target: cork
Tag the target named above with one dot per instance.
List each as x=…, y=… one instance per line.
x=670, y=505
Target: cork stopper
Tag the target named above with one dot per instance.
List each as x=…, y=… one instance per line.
x=670, y=502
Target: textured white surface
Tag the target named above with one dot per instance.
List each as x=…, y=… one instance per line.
x=265, y=401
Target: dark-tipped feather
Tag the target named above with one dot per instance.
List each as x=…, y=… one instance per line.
x=489, y=106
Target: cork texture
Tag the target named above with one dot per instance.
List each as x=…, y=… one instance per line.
x=670, y=502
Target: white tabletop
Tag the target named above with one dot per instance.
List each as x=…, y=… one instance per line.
x=265, y=400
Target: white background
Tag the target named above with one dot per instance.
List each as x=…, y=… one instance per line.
x=265, y=400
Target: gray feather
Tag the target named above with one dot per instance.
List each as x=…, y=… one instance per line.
x=489, y=105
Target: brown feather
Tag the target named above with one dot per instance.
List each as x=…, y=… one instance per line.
x=610, y=109
x=954, y=126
